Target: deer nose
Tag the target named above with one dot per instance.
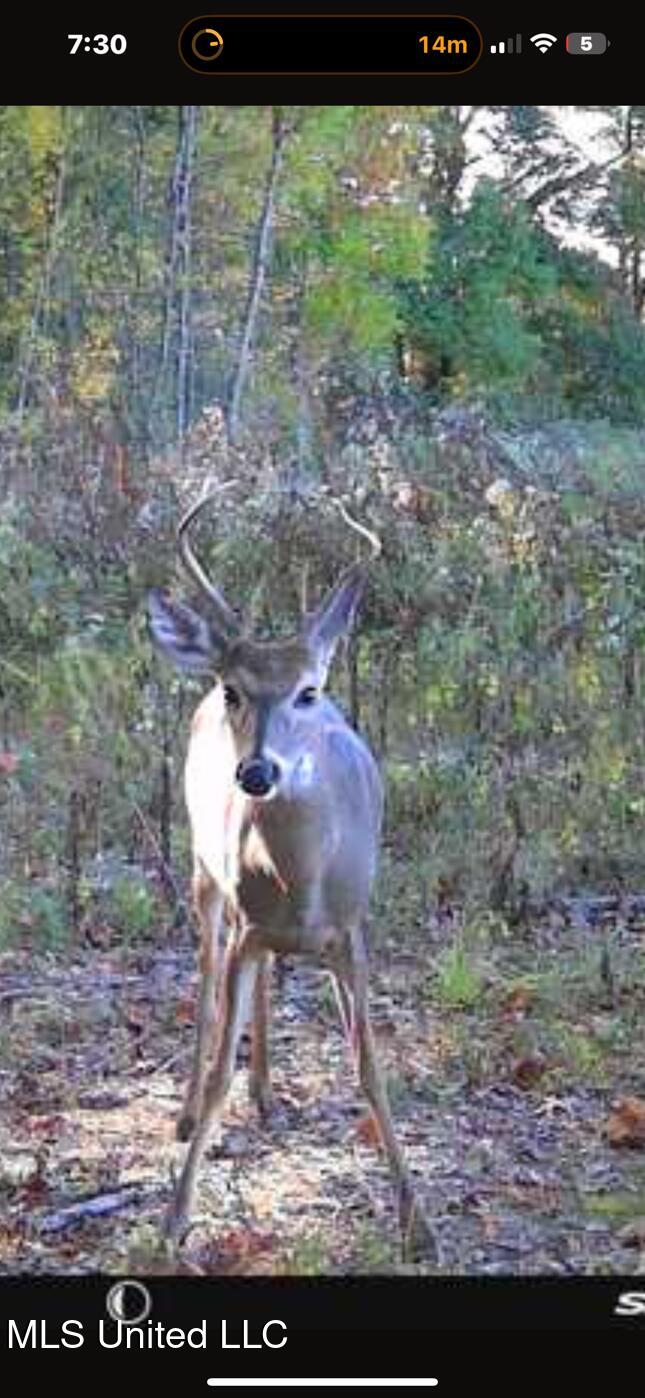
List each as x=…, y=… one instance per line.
x=257, y=775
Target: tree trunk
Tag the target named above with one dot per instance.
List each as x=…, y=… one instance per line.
x=258, y=275
x=384, y=703
x=42, y=294
x=138, y=208
x=74, y=858
x=354, y=688
x=177, y=308
x=184, y=233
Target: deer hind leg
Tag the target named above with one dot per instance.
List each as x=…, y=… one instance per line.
x=259, y=1083
x=208, y=903
x=238, y=978
x=350, y=970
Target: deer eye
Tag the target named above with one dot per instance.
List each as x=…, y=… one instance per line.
x=231, y=697
x=307, y=696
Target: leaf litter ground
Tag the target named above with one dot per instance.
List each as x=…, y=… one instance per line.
x=521, y=1113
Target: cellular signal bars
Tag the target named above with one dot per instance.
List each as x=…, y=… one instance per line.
x=508, y=45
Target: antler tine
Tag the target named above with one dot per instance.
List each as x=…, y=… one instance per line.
x=226, y=614
x=372, y=539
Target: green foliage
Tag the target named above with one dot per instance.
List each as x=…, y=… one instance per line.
x=34, y=913
x=343, y=242
x=309, y=1258
x=596, y=355
x=499, y=670
x=487, y=273
x=133, y=906
x=352, y=297
x=458, y=981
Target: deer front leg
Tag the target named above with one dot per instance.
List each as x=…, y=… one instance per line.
x=240, y=970
x=208, y=904
x=351, y=971
x=345, y=1006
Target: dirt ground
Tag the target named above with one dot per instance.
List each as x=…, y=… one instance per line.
x=517, y=1094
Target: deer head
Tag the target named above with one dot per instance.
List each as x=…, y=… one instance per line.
x=272, y=690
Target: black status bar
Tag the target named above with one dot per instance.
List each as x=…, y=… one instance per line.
x=226, y=56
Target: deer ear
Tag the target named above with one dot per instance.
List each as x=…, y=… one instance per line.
x=183, y=634
x=334, y=617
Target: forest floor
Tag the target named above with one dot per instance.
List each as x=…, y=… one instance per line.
x=516, y=1068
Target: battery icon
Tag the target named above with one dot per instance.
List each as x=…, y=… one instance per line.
x=586, y=43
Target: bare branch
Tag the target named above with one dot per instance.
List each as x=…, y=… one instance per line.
x=258, y=274
x=372, y=539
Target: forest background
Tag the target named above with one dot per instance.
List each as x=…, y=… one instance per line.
x=437, y=314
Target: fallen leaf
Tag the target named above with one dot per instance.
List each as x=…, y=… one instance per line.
x=137, y=1017
x=367, y=1132
x=18, y=1169
x=626, y=1125
x=99, y=935
x=632, y=1235
x=35, y=1191
x=185, y=1011
x=47, y=1125
x=517, y=1001
x=243, y=1250
x=551, y=1105
x=489, y=1225
x=526, y=1071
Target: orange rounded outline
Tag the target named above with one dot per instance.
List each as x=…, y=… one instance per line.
x=335, y=72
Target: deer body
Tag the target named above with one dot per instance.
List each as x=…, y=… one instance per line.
x=303, y=862
x=285, y=803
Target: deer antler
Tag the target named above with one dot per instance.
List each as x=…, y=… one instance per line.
x=225, y=613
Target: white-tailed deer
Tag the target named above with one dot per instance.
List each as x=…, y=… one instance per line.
x=285, y=804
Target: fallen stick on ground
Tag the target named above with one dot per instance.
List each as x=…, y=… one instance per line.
x=90, y=1208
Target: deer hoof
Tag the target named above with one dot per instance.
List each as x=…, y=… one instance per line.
x=263, y=1099
x=175, y=1227
x=418, y=1237
x=186, y=1125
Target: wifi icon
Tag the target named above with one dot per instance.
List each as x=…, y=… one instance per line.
x=544, y=42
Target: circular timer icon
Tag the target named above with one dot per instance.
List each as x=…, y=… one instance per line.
x=128, y=1302
x=200, y=43
x=207, y=44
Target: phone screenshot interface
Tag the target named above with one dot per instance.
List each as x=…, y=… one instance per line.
x=322, y=760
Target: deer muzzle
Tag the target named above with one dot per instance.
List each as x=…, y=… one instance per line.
x=257, y=776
